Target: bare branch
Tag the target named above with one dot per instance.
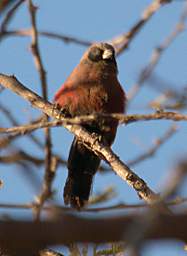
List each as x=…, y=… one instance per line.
x=70, y=228
x=105, y=196
x=48, y=252
x=62, y=209
x=122, y=42
x=50, y=161
x=149, y=220
x=1, y=183
x=65, y=38
x=4, y=142
x=152, y=150
x=22, y=156
x=123, y=119
x=157, y=54
x=9, y=16
x=92, y=141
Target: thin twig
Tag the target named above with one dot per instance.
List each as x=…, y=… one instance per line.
x=122, y=42
x=4, y=142
x=23, y=156
x=105, y=196
x=9, y=16
x=152, y=150
x=157, y=54
x=61, y=209
x=123, y=119
x=4, y=4
x=66, y=39
x=1, y=183
x=149, y=220
x=28, y=172
x=48, y=252
x=52, y=35
x=50, y=161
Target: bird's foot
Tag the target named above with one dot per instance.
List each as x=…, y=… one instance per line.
x=99, y=138
x=96, y=136
x=62, y=112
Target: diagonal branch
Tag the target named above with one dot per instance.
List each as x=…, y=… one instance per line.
x=157, y=54
x=9, y=16
x=157, y=144
x=4, y=142
x=122, y=42
x=91, y=140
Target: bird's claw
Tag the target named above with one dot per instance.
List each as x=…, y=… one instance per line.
x=62, y=112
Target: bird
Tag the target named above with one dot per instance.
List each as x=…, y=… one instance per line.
x=91, y=88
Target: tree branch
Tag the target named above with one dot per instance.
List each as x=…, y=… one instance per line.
x=123, y=119
x=122, y=42
x=67, y=229
x=50, y=161
x=152, y=150
x=157, y=54
x=91, y=140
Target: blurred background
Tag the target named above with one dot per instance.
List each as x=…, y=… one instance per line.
x=164, y=89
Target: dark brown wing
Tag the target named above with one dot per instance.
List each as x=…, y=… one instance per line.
x=82, y=99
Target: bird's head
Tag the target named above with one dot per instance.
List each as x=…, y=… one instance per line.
x=101, y=55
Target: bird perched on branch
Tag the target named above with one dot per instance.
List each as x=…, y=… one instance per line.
x=91, y=88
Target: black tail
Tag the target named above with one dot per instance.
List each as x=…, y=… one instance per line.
x=82, y=165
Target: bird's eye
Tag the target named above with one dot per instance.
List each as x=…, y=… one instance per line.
x=95, y=54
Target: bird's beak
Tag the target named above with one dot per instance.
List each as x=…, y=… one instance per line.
x=107, y=54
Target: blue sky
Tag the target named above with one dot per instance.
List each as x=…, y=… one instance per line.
x=97, y=21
